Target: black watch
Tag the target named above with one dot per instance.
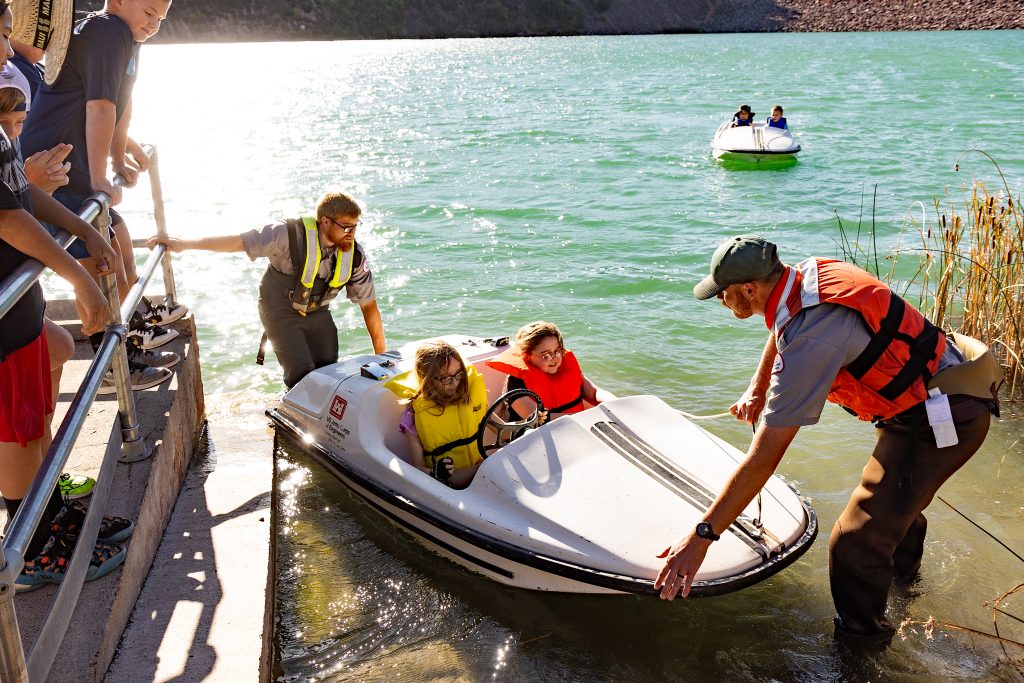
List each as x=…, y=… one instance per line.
x=704, y=530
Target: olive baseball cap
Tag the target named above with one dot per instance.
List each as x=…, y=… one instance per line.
x=740, y=259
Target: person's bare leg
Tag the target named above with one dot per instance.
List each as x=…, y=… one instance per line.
x=61, y=346
x=18, y=466
x=124, y=247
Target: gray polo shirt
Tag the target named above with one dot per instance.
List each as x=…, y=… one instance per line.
x=271, y=241
x=815, y=345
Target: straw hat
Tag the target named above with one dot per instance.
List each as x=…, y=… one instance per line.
x=45, y=24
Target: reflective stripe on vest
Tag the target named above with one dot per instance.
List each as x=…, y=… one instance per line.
x=302, y=299
x=890, y=375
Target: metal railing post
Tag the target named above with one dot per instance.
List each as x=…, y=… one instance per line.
x=12, y=653
x=161, y=224
x=134, y=446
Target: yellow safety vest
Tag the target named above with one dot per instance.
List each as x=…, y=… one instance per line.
x=302, y=297
x=456, y=426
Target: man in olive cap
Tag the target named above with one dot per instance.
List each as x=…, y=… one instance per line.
x=838, y=333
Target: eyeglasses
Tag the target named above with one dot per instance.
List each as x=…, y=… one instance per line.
x=451, y=380
x=347, y=228
x=549, y=356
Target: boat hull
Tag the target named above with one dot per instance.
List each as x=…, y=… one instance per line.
x=755, y=144
x=533, y=516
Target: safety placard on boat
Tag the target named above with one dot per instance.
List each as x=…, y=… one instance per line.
x=338, y=406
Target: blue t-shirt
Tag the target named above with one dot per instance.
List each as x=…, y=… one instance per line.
x=24, y=321
x=781, y=124
x=101, y=64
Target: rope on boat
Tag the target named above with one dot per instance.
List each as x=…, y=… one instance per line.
x=704, y=417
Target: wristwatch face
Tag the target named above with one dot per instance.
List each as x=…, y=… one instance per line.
x=704, y=530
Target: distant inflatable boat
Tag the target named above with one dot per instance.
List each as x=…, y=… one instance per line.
x=582, y=504
x=754, y=144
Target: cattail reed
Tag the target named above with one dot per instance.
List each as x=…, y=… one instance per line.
x=969, y=273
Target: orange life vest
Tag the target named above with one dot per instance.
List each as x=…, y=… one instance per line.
x=891, y=374
x=561, y=392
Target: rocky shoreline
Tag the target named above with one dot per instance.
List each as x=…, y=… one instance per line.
x=260, y=20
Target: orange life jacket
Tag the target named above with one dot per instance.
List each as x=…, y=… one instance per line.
x=891, y=374
x=561, y=392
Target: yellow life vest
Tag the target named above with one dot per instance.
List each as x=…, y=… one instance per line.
x=456, y=424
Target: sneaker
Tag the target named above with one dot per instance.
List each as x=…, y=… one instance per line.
x=150, y=336
x=32, y=576
x=152, y=359
x=75, y=486
x=51, y=564
x=143, y=377
x=160, y=314
x=69, y=520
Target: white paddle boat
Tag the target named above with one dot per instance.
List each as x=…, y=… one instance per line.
x=582, y=504
x=755, y=143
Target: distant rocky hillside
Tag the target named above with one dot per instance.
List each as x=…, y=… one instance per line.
x=233, y=20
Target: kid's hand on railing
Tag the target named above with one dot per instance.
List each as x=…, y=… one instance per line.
x=109, y=189
x=47, y=169
x=102, y=253
x=91, y=305
x=127, y=169
x=138, y=155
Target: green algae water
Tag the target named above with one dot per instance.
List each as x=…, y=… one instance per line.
x=571, y=179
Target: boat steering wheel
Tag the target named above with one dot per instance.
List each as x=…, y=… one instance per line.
x=505, y=430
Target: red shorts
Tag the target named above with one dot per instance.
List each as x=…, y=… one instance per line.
x=25, y=395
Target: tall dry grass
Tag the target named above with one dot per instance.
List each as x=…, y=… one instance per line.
x=965, y=268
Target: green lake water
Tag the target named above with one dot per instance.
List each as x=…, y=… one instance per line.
x=571, y=179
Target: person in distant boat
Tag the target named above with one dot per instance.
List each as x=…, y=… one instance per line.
x=777, y=120
x=743, y=116
x=443, y=416
x=311, y=261
x=538, y=361
x=838, y=333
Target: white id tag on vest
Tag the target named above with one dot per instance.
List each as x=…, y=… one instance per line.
x=940, y=419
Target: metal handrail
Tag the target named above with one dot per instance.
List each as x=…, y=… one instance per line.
x=13, y=664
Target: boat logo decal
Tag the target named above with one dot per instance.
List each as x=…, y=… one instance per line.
x=338, y=406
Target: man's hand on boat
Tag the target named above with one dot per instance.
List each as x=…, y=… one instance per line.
x=749, y=406
x=682, y=561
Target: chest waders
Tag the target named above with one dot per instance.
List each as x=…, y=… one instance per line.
x=303, y=292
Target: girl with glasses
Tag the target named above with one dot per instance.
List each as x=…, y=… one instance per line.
x=539, y=361
x=443, y=416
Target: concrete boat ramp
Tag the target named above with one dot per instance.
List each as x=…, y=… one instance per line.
x=194, y=598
